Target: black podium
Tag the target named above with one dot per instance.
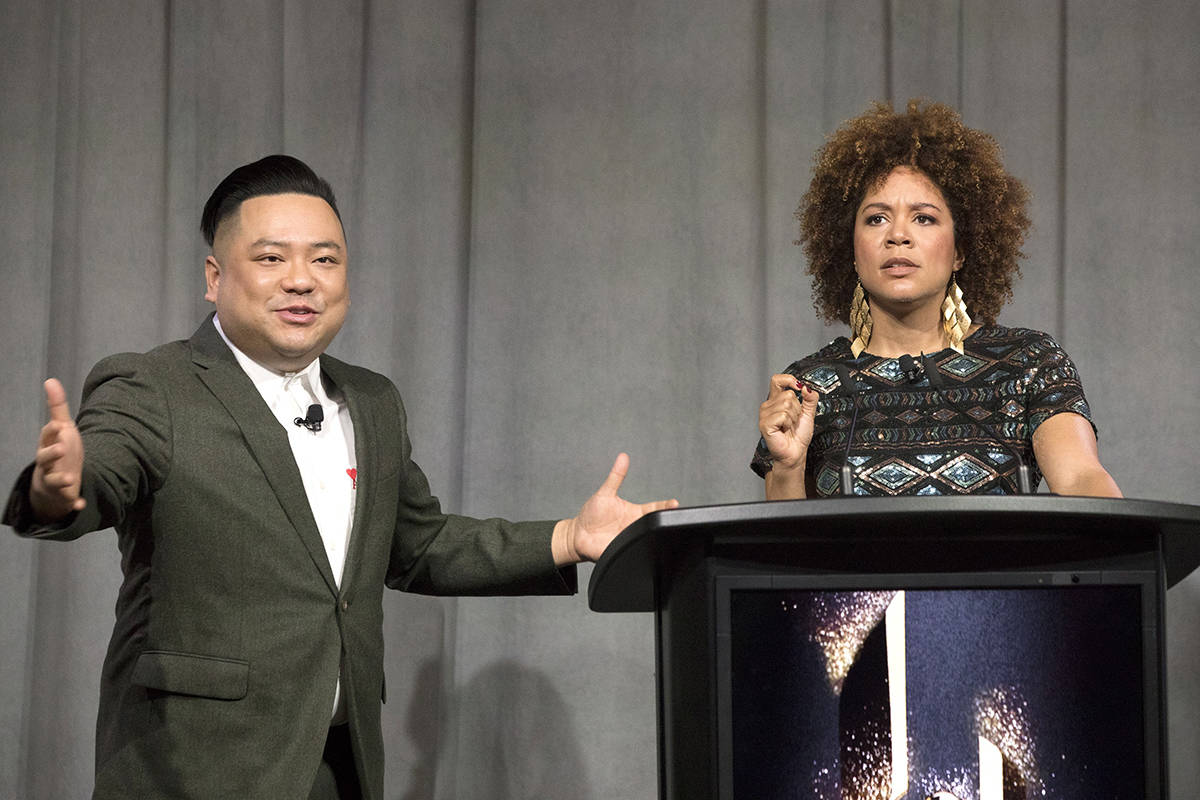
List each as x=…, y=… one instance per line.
x=983, y=647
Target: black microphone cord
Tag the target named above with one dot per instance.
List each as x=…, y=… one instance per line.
x=847, y=472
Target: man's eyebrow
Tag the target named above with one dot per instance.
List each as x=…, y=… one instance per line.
x=328, y=245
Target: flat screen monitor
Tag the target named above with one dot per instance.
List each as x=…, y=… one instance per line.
x=993, y=686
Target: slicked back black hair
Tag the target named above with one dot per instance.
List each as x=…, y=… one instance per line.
x=277, y=174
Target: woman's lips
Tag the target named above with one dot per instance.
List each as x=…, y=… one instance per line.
x=899, y=267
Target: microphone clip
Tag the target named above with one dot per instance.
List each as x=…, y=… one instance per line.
x=911, y=368
x=312, y=419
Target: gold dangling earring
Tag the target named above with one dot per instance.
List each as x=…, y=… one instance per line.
x=955, y=319
x=860, y=321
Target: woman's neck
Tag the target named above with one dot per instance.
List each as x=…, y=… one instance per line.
x=912, y=334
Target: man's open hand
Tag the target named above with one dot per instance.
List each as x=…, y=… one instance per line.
x=604, y=515
x=58, y=464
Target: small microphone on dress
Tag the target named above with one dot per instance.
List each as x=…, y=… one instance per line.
x=312, y=420
x=911, y=368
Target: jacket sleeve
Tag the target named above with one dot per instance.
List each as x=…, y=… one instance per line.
x=437, y=553
x=124, y=422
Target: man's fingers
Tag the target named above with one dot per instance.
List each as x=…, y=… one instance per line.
x=47, y=459
x=52, y=432
x=616, y=475
x=48, y=454
x=57, y=480
x=56, y=487
x=56, y=401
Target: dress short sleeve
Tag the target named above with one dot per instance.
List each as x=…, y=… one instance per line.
x=1053, y=384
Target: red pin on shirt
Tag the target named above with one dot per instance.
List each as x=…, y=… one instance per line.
x=353, y=473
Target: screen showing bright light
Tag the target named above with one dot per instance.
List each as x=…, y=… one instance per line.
x=974, y=694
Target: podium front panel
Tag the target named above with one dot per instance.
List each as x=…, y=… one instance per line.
x=989, y=685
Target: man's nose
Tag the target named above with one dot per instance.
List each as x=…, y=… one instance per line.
x=299, y=277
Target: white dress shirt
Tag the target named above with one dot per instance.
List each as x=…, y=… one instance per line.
x=325, y=458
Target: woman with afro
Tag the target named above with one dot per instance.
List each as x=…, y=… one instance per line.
x=913, y=229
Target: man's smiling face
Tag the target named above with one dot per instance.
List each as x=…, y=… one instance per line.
x=277, y=275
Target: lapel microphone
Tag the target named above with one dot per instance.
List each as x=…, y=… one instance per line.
x=312, y=419
x=911, y=368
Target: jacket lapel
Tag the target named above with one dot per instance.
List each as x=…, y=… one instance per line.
x=365, y=452
x=265, y=438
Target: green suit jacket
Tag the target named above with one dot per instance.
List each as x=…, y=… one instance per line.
x=230, y=631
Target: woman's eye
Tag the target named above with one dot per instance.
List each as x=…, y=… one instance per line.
x=875, y=219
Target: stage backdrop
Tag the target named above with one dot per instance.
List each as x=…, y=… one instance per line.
x=571, y=233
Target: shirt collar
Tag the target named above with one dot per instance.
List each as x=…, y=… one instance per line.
x=268, y=381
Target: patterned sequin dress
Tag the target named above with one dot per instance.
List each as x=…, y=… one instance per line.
x=954, y=434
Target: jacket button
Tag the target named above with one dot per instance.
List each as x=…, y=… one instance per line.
x=345, y=605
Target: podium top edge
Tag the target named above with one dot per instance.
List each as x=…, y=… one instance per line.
x=635, y=550
x=867, y=508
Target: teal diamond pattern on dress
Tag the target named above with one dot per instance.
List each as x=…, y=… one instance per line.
x=964, y=366
x=1012, y=408
x=888, y=370
x=929, y=459
x=822, y=377
x=965, y=471
x=928, y=490
x=828, y=481
x=999, y=458
x=892, y=475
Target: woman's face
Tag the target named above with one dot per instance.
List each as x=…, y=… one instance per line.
x=904, y=249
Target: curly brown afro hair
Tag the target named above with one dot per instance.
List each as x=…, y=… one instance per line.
x=988, y=205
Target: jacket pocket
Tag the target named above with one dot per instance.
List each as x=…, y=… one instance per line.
x=191, y=674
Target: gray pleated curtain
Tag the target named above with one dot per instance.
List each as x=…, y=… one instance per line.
x=571, y=233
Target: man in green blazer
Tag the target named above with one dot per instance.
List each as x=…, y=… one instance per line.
x=263, y=495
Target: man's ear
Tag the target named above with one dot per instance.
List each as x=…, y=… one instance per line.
x=212, y=278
